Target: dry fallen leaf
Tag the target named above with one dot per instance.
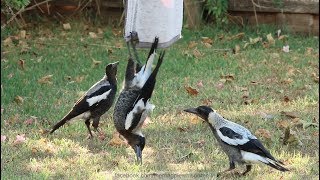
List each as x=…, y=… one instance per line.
x=227, y=78
x=182, y=129
x=79, y=78
x=19, y=139
x=191, y=91
x=290, y=137
x=23, y=34
x=3, y=138
x=46, y=79
x=286, y=99
x=290, y=114
x=207, y=45
x=237, y=36
x=95, y=63
x=21, y=64
x=315, y=77
x=236, y=49
x=116, y=140
x=18, y=99
x=93, y=35
x=220, y=85
x=282, y=37
x=101, y=136
x=309, y=51
x=255, y=40
x=66, y=26
x=196, y=53
x=263, y=133
x=287, y=81
x=207, y=40
x=192, y=44
x=7, y=41
x=282, y=124
x=270, y=39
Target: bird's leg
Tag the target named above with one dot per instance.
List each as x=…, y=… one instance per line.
x=232, y=166
x=95, y=124
x=248, y=168
x=134, y=39
x=87, y=122
x=128, y=46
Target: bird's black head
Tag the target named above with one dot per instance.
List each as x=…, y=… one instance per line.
x=201, y=111
x=137, y=142
x=111, y=69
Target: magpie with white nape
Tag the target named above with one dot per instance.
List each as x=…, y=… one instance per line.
x=95, y=102
x=133, y=105
x=236, y=141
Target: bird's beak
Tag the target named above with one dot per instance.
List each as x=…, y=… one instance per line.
x=138, y=152
x=192, y=110
x=115, y=64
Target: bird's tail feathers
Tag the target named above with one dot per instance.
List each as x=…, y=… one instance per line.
x=65, y=119
x=276, y=164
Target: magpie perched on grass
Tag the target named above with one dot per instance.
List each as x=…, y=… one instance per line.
x=133, y=104
x=236, y=141
x=95, y=102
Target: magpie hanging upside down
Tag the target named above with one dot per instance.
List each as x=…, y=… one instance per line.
x=236, y=141
x=133, y=105
x=96, y=101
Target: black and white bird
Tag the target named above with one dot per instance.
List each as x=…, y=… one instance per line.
x=236, y=141
x=133, y=105
x=95, y=102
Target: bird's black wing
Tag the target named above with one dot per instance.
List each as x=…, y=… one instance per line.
x=225, y=131
x=255, y=146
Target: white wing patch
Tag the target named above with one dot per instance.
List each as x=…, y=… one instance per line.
x=140, y=107
x=230, y=141
x=253, y=158
x=98, y=98
x=142, y=76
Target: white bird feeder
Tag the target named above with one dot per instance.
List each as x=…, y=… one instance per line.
x=150, y=18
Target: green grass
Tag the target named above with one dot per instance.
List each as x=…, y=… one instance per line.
x=173, y=134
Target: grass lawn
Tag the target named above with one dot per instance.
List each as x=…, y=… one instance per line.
x=261, y=87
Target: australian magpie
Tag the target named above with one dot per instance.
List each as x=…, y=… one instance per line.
x=95, y=102
x=236, y=141
x=133, y=104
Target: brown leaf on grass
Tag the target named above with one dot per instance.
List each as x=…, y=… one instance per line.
x=79, y=78
x=116, y=140
x=236, y=49
x=22, y=34
x=286, y=81
x=21, y=64
x=237, y=36
x=3, y=138
x=192, y=44
x=45, y=79
x=44, y=131
x=110, y=50
x=286, y=99
x=255, y=40
x=290, y=114
x=282, y=37
x=182, y=129
x=7, y=42
x=117, y=32
x=227, y=78
x=196, y=53
x=19, y=139
x=207, y=102
x=28, y=121
x=66, y=26
x=270, y=39
x=191, y=91
x=18, y=99
x=200, y=143
x=99, y=31
x=101, y=136
x=282, y=124
x=290, y=137
x=119, y=45
x=93, y=35
x=207, y=45
x=315, y=77
x=207, y=40
x=309, y=51
x=95, y=63
x=263, y=133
